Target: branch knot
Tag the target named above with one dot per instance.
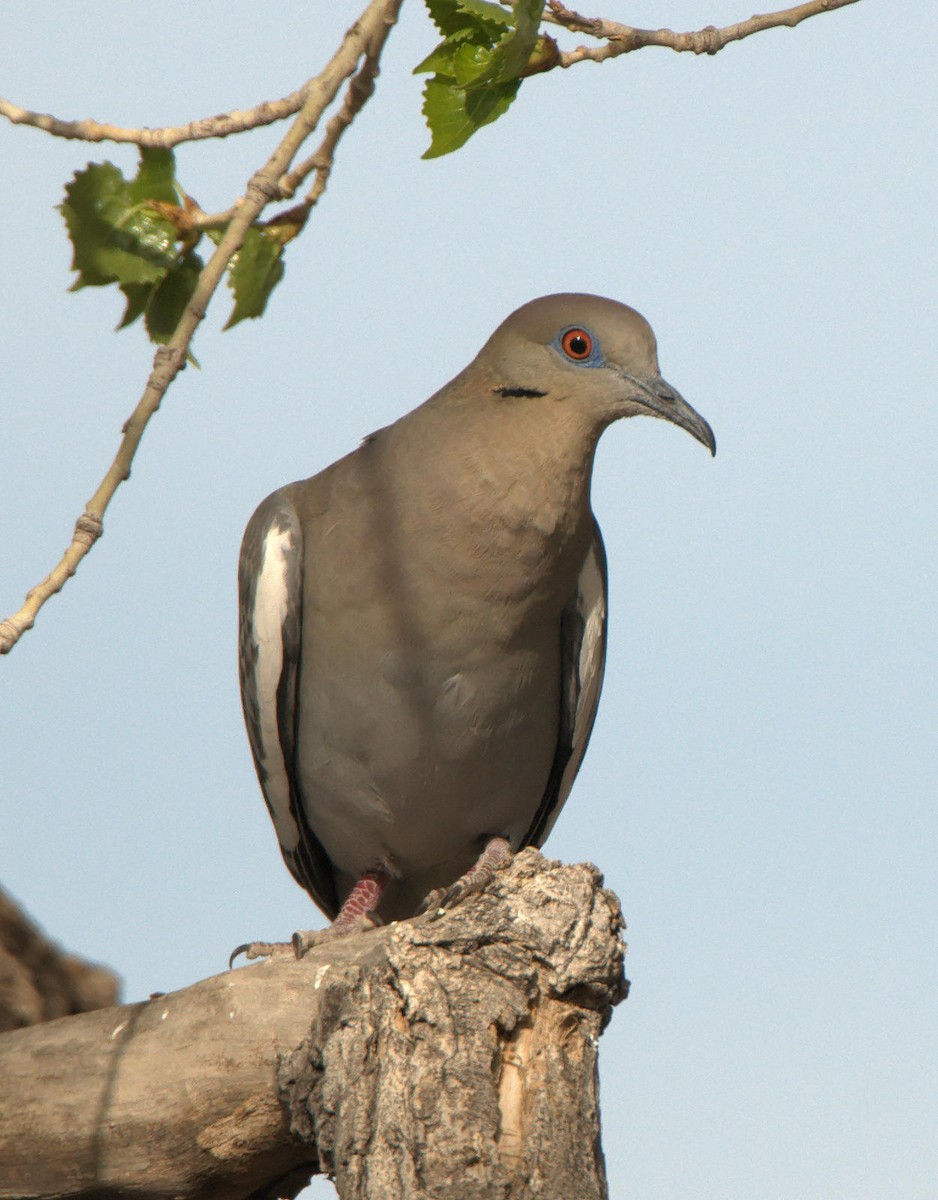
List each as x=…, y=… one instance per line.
x=710, y=40
x=88, y=528
x=264, y=189
x=10, y=633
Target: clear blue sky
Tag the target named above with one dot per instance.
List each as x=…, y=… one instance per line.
x=761, y=785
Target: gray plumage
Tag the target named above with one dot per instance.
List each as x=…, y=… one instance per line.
x=422, y=624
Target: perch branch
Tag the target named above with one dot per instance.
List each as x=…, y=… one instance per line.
x=454, y=1058
x=622, y=39
x=367, y=36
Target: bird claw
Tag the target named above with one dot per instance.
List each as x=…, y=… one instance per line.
x=252, y=950
x=355, y=916
x=305, y=940
x=435, y=903
x=496, y=855
x=300, y=944
x=441, y=899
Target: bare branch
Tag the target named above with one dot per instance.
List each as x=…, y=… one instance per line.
x=622, y=39
x=366, y=37
x=359, y=92
x=236, y=121
x=196, y=219
x=321, y=161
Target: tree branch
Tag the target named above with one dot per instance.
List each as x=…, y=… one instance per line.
x=429, y=1058
x=623, y=39
x=367, y=36
x=359, y=91
x=236, y=121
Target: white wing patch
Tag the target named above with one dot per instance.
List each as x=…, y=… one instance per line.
x=271, y=605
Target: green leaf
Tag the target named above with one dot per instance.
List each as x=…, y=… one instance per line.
x=137, y=295
x=113, y=240
x=478, y=67
x=487, y=12
x=463, y=21
x=253, y=274
x=454, y=18
x=440, y=60
x=170, y=297
x=156, y=177
x=454, y=115
x=119, y=237
x=512, y=54
x=474, y=70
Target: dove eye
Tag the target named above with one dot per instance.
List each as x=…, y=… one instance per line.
x=577, y=344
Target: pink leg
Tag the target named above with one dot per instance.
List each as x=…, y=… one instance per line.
x=355, y=915
x=496, y=855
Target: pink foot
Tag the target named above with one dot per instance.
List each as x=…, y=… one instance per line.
x=355, y=916
x=496, y=855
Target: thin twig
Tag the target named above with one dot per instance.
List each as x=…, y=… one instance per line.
x=191, y=218
x=236, y=121
x=622, y=39
x=367, y=36
x=357, y=95
x=359, y=90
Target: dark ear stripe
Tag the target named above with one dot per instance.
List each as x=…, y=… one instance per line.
x=509, y=393
x=579, y=695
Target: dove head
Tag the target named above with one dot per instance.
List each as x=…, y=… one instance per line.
x=587, y=351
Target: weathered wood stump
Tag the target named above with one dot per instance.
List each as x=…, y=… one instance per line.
x=431, y=1058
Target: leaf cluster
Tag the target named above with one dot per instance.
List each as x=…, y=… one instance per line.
x=133, y=233
x=478, y=67
x=138, y=233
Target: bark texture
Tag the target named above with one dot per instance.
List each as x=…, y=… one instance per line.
x=432, y=1058
x=460, y=1061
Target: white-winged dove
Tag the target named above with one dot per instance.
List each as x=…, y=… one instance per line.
x=422, y=624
